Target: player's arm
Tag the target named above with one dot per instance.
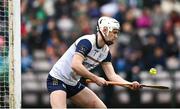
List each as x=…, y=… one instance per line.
x=79, y=68
x=82, y=49
x=110, y=73
x=112, y=76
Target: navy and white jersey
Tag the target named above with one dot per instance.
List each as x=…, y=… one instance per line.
x=87, y=46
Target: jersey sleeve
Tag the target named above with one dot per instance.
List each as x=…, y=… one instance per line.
x=108, y=58
x=84, y=47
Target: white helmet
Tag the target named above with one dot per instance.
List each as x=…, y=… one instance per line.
x=109, y=23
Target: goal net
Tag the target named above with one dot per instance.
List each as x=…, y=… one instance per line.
x=10, y=73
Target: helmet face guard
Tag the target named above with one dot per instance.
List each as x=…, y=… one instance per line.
x=110, y=24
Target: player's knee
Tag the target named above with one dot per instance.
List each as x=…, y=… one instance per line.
x=98, y=104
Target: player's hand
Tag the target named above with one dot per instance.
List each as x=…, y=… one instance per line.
x=100, y=81
x=135, y=85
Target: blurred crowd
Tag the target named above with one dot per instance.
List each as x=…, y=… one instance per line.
x=150, y=30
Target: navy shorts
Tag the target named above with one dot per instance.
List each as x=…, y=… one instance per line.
x=54, y=84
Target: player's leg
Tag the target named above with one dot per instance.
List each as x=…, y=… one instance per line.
x=57, y=90
x=58, y=99
x=87, y=98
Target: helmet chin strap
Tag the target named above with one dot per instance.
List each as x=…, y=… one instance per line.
x=103, y=37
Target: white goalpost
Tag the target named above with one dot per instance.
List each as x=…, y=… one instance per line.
x=10, y=54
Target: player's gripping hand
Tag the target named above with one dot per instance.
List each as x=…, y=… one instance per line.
x=100, y=81
x=135, y=85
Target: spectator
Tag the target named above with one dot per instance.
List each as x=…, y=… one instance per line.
x=148, y=51
x=144, y=21
x=159, y=57
x=26, y=60
x=132, y=69
x=62, y=7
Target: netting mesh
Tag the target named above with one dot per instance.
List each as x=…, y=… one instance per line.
x=4, y=50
